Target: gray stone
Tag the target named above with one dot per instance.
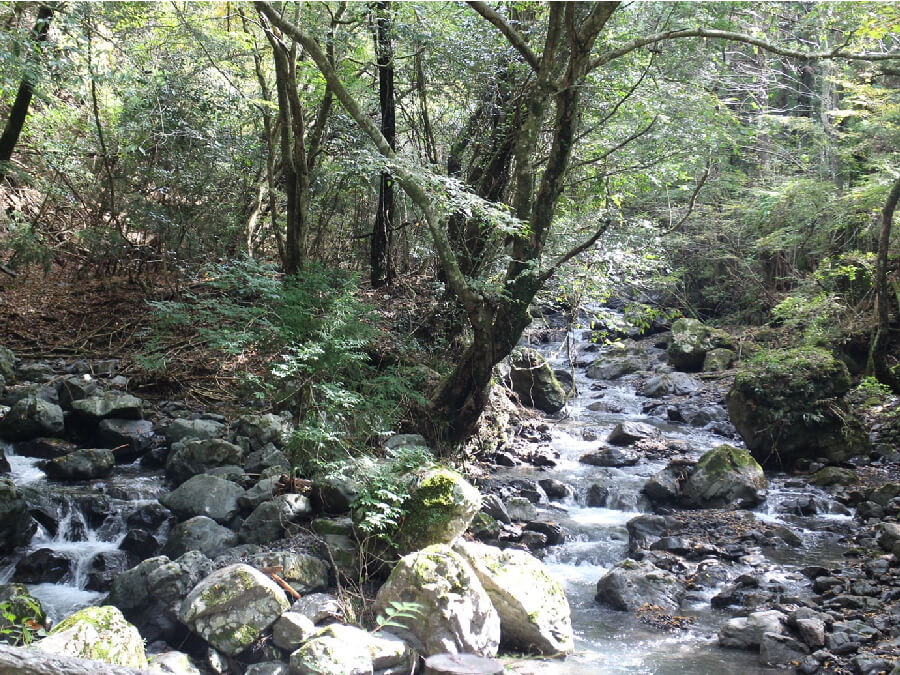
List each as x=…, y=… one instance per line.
x=520, y=509
x=16, y=524
x=675, y=384
x=304, y=572
x=198, y=430
x=319, y=607
x=204, y=495
x=75, y=388
x=690, y=341
x=172, y=663
x=398, y=441
x=263, y=491
x=628, y=433
x=630, y=584
x=618, y=359
x=610, y=457
x=99, y=633
x=232, y=607
x=747, y=632
x=457, y=615
x=533, y=380
x=84, y=464
x=720, y=358
x=268, y=668
x=32, y=417
x=200, y=534
x=25, y=661
x=261, y=430
x=291, y=630
x=776, y=649
x=193, y=457
x=333, y=494
x=534, y=612
x=725, y=477
x=664, y=487
x=268, y=457
x=327, y=655
x=888, y=534
x=135, y=435
x=385, y=649
x=108, y=404
x=812, y=632
x=273, y=519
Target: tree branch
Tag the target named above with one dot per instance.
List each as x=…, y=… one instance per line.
x=514, y=37
x=576, y=250
x=693, y=198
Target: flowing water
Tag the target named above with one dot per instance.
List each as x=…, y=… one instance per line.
x=609, y=641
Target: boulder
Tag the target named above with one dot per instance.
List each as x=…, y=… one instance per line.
x=334, y=494
x=42, y=566
x=75, y=388
x=197, y=430
x=172, y=663
x=610, y=457
x=440, y=507
x=788, y=405
x=304, y=572
x=267, y=458
x=664, y=487
x=629, y=433
x=131, y=438
x=108, y=404
x=200, y=534
x=385, y=650
x=834, y=475
x=99, y=633
x=84, y=464
x=520, y=509
x=690, y=341
x=232, y=607
x=319, y=608
x=327, y=655
x=27, y=661
x=720, y=358
x=457, y=615
x=747, y=632
x=669, y=384
x=45, y=448
x=204, y=495
x=7, y=364
x=261, y=430
x=776, y=649
x=32, y=417
x=190, y=458
x=620, y=358
x=273, y=519
x=631, y=584
x=887, y=535
x=725, y=477
x=534, y=612
x=16, y=524
x=533, y=380
x=105, y=567
x=291, y=630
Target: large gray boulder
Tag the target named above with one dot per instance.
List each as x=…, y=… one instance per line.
x=261, y=430
x=198, y=430
x=108, y=404
x=158, y=579
x=291, y=630
x=99, y=633
x=305, y=573
x=669, y=384
x=204, y=495
x=533, y=380
x=232, y=607
x=32, y=417
x=457, y=615
x=440, y=507
x=16, y=524
x=746, y=632
x=725, y=477
x=534, y=612
x=631, y=584
x=83, y=464
x=200, y=534
x=190, y=458
x=620, y=358
x=328, y=655
x=629, y=433
x=131, y=438
x=690, y=341
x=74, y=388
x=274, y=519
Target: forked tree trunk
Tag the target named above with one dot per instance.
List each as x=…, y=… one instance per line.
x=877, y=364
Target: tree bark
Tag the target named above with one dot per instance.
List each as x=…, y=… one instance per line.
x=382, y=271
x=877, y=364
x=19, y=110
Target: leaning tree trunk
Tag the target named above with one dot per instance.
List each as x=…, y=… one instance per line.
x=380, y=246
x=19, y=110
x=877, y=364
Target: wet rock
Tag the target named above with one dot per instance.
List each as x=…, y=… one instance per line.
x=16, y=524
x=669, y=384
x=319, y=608
x=690, y=341
x=98, y=633
x=533, y=380
x=630, y=584
x=232, y=607
x=131, y=438
x=842, y=643
x=42, y=566
x=273, y=519
x=493, y=506
x=84, y=464
x=596, y=495
x=140, y=543
x=194, y=457
x=194, y=429
x=105, y=567
x=440, y=507
x=776, y=649
x=533, y=541
x=457, y=615
x=620, y=358
x=534, y=612
x=75, y=388
x=149, y=516
x=45, y=448
x=555, y=489
x=790, y=415
x=291, y=630
x=610, y=457
x=551, y=531
x=520, y=509
x=643, y=530
x=31, y=417
x=200, y=534
x=664, y=487
x=725, y=477
x=204, y=495
x=720, y=358
x=747, y=632
x=305, y=573
x=628, y=433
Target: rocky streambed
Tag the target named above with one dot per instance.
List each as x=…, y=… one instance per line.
x=629, y=531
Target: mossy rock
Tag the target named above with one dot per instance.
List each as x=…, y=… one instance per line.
x=440, y=507
x=788, y=404
x=725, y=477
x=98, y=633
x=533, y=380
x=834, y=475
x=24, y=606
x=691, y=340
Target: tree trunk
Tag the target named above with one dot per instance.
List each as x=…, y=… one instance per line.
x=19, y=110
x=382, y=270
x=877, y=364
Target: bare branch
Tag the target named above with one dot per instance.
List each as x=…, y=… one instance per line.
x=514, y=37
x=693, y=198
x=576, y=250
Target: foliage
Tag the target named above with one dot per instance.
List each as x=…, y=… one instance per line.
x=869, y=393
x=21, y=620
x=395, y=614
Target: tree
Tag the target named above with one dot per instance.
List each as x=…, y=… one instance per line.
x=498, y=312
x=19, y=110
x=877, y=365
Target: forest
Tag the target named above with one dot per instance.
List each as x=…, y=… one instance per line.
x=307, y=308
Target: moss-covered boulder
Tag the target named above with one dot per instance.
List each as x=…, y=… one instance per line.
x=31, y=417
x=789, y=404
x=720, y=358
x=456, y=613
x=190, y=458
x=620, y=358
x=533, y=380
x=533, y=608
x=98, y=633
x=630, y=585
x=24, y=607
x=834, y=475
x=204, y=495
x=108, y=404
x=16, y=524
x=328, y=655
x=82, y=464
x=7, y=364
x=725, y=477
x=691, y=340
x=232, y=607
x=440, y=507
